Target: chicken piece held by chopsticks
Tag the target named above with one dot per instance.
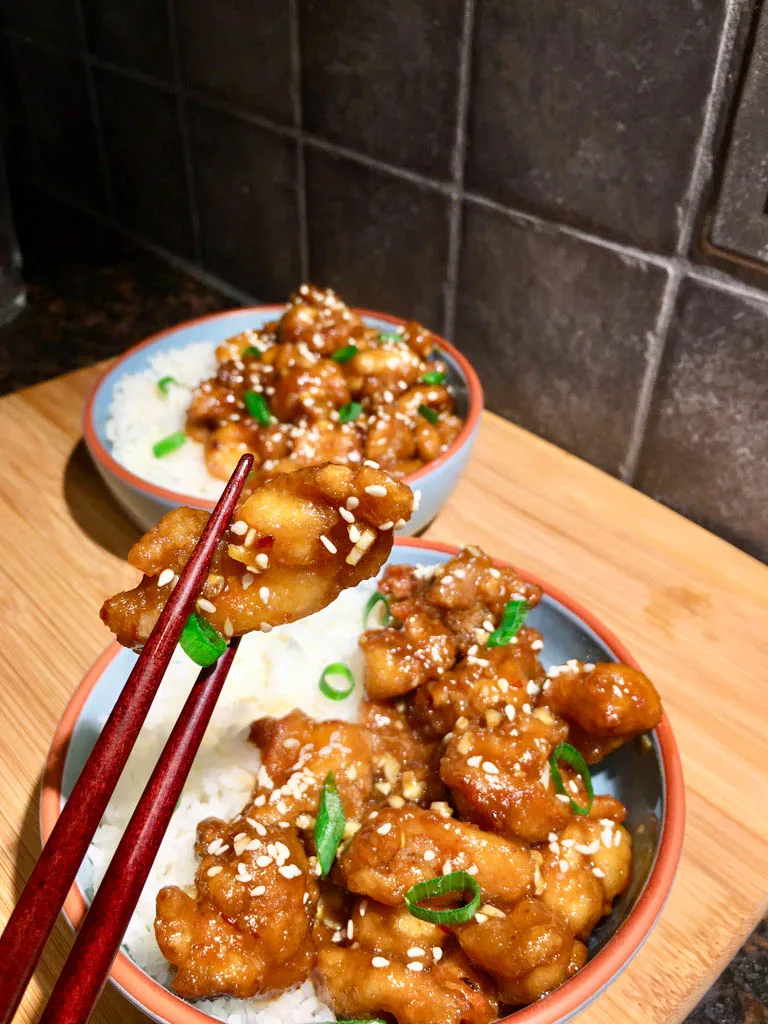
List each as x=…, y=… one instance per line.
x=294, y=544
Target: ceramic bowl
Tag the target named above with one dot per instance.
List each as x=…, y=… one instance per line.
x=648, y=781
x=146, y=502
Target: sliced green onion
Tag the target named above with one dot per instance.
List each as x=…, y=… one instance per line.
x=343, y=355
x=164, y=384
x=429, y=414
x=168, y=444
x=329, y=824
x=338, y=668
x=200, y=641
x=256, y=404
x=253, y=352
x=456, y=881
x=390, y=336
x=349, y=412
x=377, y=598
x=433, y=377
x=512, y=619
x=565, y=752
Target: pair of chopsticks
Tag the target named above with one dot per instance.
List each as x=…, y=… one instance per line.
x=96, y=946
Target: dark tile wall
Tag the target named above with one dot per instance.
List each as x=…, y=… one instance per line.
x=534, y=178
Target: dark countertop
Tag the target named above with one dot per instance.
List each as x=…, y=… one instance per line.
x=91, y=294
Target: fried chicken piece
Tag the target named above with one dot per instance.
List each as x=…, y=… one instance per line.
x=527, y=949
x=468, y=593
x=312, y=392
x=396, y=848
x=247, y=929
x=606, y=704
x=492, y=678
x=405, y=765
x=287, y=554
x=395, y=931
x=500, y=777
x=318, y=318
x=583, y=870
x=334, y=909
x=399, y=659
x=297, y=755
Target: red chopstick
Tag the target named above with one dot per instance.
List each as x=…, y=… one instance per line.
x=35, y=913
x=87, y=967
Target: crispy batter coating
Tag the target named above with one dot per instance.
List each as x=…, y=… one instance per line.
x=405, y=764
x=528, y=950
x=396, y=848
x=605, y=704
x=247, y=929
x=287, y=554
x=290, y=364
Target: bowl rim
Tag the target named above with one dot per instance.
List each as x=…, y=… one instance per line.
x=103, y=456
x=573, y=995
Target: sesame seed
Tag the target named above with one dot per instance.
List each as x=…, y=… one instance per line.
x=563, y=865
x=371, y=463
x=472, y=869
x=352, y=502
x=447, y=867
x=617, y=838
x=415, y=965
x=490, y=768
x=239, y=528
x=289, y=870
x=385, y=829
x=437, y=953
x=510, y=712
x=354, y=533
x=376, y=490
x=386, y=526
x=380, y=961
x=598, y=873
x=350, y=929
x=229, y=629
x=215, y=870
x=265, y=627
x=416, y=500
x=562, y=798
x=481, y=918
x=346, y=515
x=250, y=538
x=259, y=890
x=262, y=560
x=165, y=577
x=264, y=861
x=399, y=524
x=416, y=951
x=474, y=762
x=205, y=605
x=526, y=709
x=429, y=855
x=537, y=645
x=328, y=544
x=264, y=593
x=247, y=580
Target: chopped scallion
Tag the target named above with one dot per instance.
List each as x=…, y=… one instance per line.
x=169, y=444
x=433, y=377
x=349, y=412
x=377, y=598
x=253, y=352
x=429, y=414
x=201, y=642
x=512, y=619
x=565, y=752
x=456, y=881
x=164, y=384
x=340, y=670
x=343, y=355
x=256, y=404
x=329, y=824
x=390, y=336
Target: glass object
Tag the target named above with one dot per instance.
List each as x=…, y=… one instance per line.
x=12, y=294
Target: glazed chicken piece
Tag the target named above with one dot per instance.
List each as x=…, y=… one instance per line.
x=606, y=705
x=583, y=870
x=247, y=929
x=318, y=318
x=527, y=949
x=499, y=777
x=396, y=848
x=297, y=755
x=399, y=659
x=491, y=678
x=359, y=984
x=288, y=552
x=468, y=593
x=405, y=765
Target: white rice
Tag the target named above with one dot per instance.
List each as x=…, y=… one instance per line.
x=272, y=674
x=140, y=415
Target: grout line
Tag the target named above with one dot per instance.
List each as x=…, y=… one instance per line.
x=704, y=155
x=195, y=271
x=625, y=250
x=722, y=282
x=458, y=160
x=98, y=127
x=444, y=187
x=186, y=148
x=657, y=340
x=298, y=120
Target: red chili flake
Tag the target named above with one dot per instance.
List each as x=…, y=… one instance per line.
x=265, y=542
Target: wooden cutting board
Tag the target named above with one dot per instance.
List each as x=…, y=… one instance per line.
x=693, y=610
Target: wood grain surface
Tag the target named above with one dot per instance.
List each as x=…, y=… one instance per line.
x=690, y=607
